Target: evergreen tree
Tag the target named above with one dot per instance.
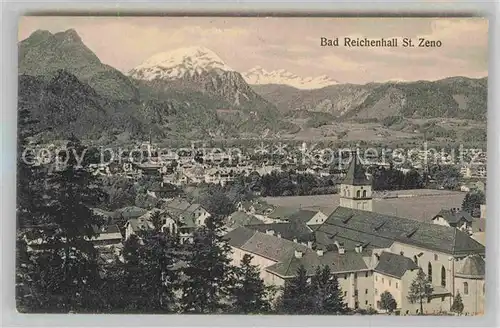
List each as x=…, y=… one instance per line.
x=326, y=292
x=297, y=294
x=249, y=293
x=65, y=275
x=209, y=273
x=29, y=203
x=158, y=258
x=458, y=305
x=420, y=290
x=387, y=302
x=146, y=279
x=124, y=282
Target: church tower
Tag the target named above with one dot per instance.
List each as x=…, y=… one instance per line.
x=356, y=188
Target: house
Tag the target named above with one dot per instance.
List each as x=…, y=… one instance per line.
x=163, y=190
x=135, y=225
x=240, y=219
x=454, y=218
x=394, y=273
x=129, y=212
x=309, y=217
x=186, y=217
x=109, y=235
x=259, y=208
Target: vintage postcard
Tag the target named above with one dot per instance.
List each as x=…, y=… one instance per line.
x=252, y=165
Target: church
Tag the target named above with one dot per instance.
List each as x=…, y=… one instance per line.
x=372, y=253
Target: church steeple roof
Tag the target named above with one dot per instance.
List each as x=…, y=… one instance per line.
x=356, y=173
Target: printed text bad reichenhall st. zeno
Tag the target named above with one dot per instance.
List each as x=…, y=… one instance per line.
x=382, y=42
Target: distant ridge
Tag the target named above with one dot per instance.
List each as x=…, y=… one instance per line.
x=258, y=75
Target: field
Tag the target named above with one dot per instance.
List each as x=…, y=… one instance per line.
x=419, y=205
x=405, y=133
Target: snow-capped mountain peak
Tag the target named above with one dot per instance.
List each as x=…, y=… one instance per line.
x=259, y=75
x=177, y=63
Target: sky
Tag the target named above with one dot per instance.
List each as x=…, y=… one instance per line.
x=290, y=43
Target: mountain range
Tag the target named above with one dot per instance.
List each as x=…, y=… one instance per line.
x=453, y=97
x=192, y=103
x=192, y=93
x=259, y=76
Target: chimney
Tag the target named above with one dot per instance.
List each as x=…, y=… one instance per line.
x=270, y=232
x=279, y=235
x=319, y=252
x=310, y=244
x=358, y=248
x=295, y=240
x=340, y=247
x=298, y=254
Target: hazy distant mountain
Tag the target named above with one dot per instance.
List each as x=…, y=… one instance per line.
x=44, y=53
x=458, y=97
x=258, y=75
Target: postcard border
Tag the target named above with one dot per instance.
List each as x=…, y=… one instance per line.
x=12, y=10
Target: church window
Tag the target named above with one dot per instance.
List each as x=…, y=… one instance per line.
x=466, y=288
x=358, y=194
x=435, y=257
x=443, y=276
x=429, y=272
x=364, y=193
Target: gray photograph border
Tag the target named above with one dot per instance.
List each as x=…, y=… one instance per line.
x=12, y=10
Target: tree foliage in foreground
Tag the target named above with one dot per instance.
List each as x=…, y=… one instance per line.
x=319, y=294
x=420, y=290
x=250, y=295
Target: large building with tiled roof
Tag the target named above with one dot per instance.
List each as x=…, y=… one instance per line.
x=438, y=250
x=279, y=259
x=372, y=252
